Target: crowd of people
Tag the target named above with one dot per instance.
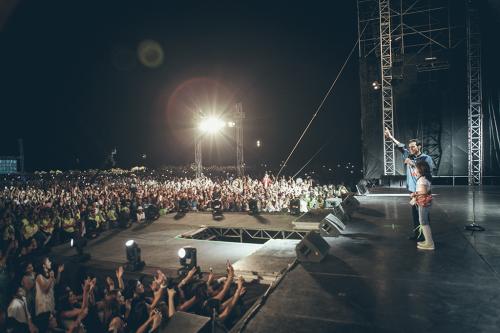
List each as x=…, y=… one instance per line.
x=40, y=210
x=43, y=301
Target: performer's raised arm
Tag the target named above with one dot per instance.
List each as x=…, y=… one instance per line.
x=388, y=135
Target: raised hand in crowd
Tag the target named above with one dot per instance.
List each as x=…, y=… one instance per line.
x=119, y=277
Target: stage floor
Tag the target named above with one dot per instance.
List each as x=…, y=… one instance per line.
x=159, y=242
x=373, y=280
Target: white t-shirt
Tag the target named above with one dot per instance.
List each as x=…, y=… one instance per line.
x=423, y=185
x=18, y=310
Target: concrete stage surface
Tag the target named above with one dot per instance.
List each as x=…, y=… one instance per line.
x=373, y=280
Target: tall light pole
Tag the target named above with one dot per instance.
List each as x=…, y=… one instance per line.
x=240, y=162
x=212, y=125
x=197, y=147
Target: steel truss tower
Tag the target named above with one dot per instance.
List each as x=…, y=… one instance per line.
x=240, y=163
x=238, y=115
x=386, y=85
x=407, y=33
x=474, y=94
x=197, y=152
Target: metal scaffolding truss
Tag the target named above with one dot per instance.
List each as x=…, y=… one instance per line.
x=197, y=153
x=238, y=115
x=475, y=112
x=240, y=162
x=242, y=234
x=402, y=33
x=417, y=26
x=386, y=86
x=260, y=234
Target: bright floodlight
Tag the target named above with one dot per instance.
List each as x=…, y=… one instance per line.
x=231, y=124
x=211, y=125
x=130, y=242
x=182, y=253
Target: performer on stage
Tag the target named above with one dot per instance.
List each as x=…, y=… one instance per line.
x=422, y=199
x=411, y=156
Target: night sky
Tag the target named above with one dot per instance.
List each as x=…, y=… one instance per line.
x=72, y=85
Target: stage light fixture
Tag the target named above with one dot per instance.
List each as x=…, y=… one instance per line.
x=211, y=125
x=258, y=143
x=187, y=259
x=133, y=252
x=182, y=253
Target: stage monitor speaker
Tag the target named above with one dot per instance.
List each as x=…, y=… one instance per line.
x=341, y=214
x=187, y=323
x=312, y=248
x=331, y=226
x=350, y=205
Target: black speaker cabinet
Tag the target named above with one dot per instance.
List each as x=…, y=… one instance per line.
x=187, y=323
x=350, y=204
x=341, y=214
x=331, y=226
x=312, y=248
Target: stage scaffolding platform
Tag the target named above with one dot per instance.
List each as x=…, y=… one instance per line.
x=373, y=279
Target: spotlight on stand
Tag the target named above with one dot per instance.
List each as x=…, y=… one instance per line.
x=134, y=262
x=376, y=85
x=253, y=206
x=79, y=244
x=152, y=212
x=295, y=206
x=187, y=259
x=183, y=208
x=217, y=210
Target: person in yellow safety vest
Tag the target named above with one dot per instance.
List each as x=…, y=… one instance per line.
x=47, y=226
x=111, y=215
x=98, y=219
x=102, y=219
x=29, y=228
x=124, y=221
x=92, y=223
x=68, y=226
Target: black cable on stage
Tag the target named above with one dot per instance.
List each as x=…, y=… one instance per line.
x=322, y=102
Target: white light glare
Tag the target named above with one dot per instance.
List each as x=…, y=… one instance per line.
x=211, y=125
x=182, y=253
x=231, y=124
x=130, y=242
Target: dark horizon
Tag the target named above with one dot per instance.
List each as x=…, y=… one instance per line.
x=73, y=86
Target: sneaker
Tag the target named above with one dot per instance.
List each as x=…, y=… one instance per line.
x=425, y=246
